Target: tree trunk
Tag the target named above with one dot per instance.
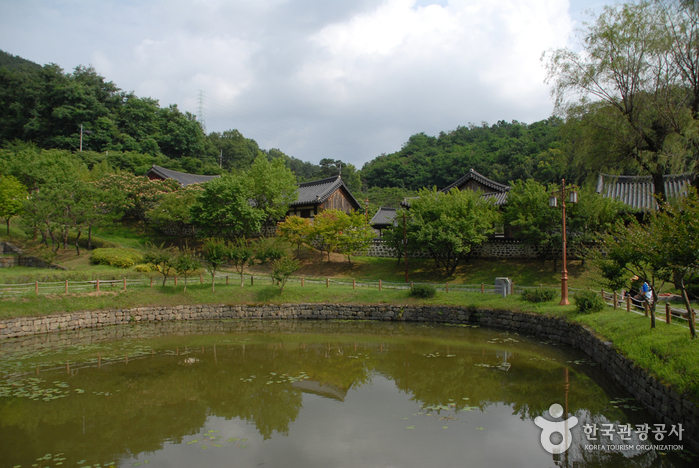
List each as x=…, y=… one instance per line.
x=690, y=310
x=8, y=225
x=77, y=238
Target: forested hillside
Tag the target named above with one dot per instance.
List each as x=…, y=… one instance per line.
x=503, y=152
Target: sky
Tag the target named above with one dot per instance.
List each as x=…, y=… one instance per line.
x=340, y=79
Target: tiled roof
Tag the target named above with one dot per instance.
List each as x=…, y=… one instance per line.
x=181, y=177
x=480, y=178
x=499, y=197
x=383, y=217
x=637, y=191
x=318, y=191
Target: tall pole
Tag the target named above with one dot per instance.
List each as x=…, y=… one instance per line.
x=564, y=273
x=405, y=248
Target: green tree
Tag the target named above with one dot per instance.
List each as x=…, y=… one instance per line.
x=173, y=211
x=678, y=229
x=242, y=255
x=186, y=264
x=163, y=258
x=224, y=208
x=449, y=225
x=629, y=87
x=282, y=269
x=634, y=250
x=12, y=196
x=533, y=221
x=355, y=235
x=215, y=254
x=272, y=188
x=295, y=230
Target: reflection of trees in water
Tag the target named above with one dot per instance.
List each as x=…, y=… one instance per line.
x=158, y=398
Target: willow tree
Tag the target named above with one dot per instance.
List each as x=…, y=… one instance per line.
x=635, y=85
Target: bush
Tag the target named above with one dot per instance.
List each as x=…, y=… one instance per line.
x=539, y=295
x=424, y=291
x=122, y=258
x=268, y=249
x=588, y=301
x=143, y=268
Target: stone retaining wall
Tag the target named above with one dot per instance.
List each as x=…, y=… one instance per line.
x=665, y=404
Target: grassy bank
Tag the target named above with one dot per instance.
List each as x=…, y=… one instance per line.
x=667, y=351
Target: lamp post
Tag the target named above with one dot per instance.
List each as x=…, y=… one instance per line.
x=405, y=244
x=572, y=195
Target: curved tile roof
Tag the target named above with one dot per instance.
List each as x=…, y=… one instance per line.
x=181, y=177
x=637, y=191
x=383, y=217
x=318, y=191
x=481, y=179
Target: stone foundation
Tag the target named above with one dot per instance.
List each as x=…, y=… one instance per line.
x=664, y=403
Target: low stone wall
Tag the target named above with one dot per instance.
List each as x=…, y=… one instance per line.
x=493, y=248
x=664, y=403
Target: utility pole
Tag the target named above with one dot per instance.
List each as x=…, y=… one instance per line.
x=201, y=111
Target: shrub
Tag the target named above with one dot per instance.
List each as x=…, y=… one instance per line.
x=268, y=249
x=539, y=295
x=588, y=301
x=143, y=268
x=424, y=291
x=122, y=258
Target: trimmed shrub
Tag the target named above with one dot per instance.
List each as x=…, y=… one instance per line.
x=588, y=301
x=539, y=295
x=122, y=258
x=143, y=268
x=424, y=291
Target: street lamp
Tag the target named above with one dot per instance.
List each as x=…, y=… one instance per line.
x=572, y=195
x=405, y=244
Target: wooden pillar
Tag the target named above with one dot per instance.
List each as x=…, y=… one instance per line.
x=124, y=283
x=668, y=313
x=36, y=287
x=628, y=303
x=616, y=300
x=447, y=286
x=98, y=285
x=252, y=280
x=151, y=281
x=354, y=283
x=302, y=281
x=226, y=279
x=66, y=286
x=379, y=285
x=327, y=282
x=646, y=310
x=482, y=288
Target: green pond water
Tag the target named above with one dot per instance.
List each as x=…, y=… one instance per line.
x=309, y=394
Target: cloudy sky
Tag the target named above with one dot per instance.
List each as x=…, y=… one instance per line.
x=345, y=79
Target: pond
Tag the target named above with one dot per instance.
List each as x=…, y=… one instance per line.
x=313, y=394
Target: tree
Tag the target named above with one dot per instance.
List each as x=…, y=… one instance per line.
x=295, y=230
x=163, y=258
x=173, y=211
x=186, y=264
x=282, y=269
x=242, y=256
x=678, y=229
x=533, y=221
x=215, y=254
x=140, y=194
x=629, y=83
x=634, y=250
x=327, y=230
x=224, y=208
x=355, y=235
x=449, y=225
x=272, y=188
x=12, y=196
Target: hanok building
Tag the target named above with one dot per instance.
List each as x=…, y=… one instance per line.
x=185, y=179
x=320, y=195
x=383, y=219
x=637, y=192
x=473, y=181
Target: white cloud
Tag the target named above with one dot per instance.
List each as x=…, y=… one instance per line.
x=348, y=79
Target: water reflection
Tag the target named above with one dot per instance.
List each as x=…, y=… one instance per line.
x=300, y=394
